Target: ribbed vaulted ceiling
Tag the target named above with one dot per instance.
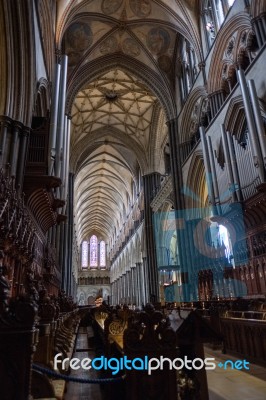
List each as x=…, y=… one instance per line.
x=114, y=130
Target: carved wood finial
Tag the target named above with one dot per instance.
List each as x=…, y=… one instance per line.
x=4, y=287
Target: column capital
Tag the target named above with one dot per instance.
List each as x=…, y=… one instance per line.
x=58, y=54
x=26, y=131
x=6, y=121
x=172, y=121
x=17, y=125
x=151, y=174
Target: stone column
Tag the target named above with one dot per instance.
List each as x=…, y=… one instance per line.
x=135, y=285
x=138, y=284
x=132, y=286
x=127, y=288
x=176, y=167
x=124, y=287
x=150, y=183
x=116, y=291
x=120, y=290
x=70, y=220
x=17, y=128
x=145, y=275
x=62, y=237
x=23, y=144
x=5, y=125
x=142, y=281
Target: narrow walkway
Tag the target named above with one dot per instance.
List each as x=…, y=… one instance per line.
x=223, y=384
x=233, y=384
x=81, y=391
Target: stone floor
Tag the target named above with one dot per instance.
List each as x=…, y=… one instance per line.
x=81, y=391
x=235, y=385
x=223, y=384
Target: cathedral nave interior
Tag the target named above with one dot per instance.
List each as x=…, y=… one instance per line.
x=132, y=196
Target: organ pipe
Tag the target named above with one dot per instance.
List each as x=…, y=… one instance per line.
x=251, y=125
x=53, y=121
x=63, y=159
x=206, y=159
x=258, y=118
x=228, y=162
x=234, y=166
x=65, y=171
x=61, y=116
x=213, y=169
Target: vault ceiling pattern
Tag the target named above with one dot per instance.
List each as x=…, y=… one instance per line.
x=108, y=164
x=114, y=99
x=104, y=189
x=143, y=29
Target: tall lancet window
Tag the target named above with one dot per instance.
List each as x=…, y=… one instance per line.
x=102, y=254
x=93, y=251
x=84, y=254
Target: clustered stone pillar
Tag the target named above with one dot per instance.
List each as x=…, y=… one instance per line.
x=14, y=138
x=188, y=276
x=150, y=184
x=176, y=167
x=131, y=287
x=67, y=231
x=5, y=124
x=22, y=153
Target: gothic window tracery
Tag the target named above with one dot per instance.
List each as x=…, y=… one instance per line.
x=102, y=254
x=84, y=254
x=93, y=251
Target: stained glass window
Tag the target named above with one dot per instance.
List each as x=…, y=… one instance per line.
x=84, y=254
x=102, y=254
x=93, y=251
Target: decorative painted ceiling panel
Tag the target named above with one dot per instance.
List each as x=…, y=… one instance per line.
x=144, y=30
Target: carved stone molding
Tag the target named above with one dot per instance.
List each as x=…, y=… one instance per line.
x=163, y=193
